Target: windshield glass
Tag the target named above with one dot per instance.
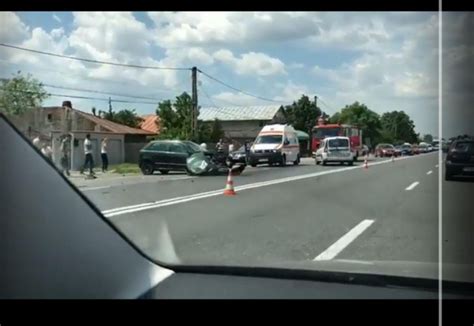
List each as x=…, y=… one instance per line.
x=326, y=132
x=339, y=142
x=262, y=79
x=193, y=147
x=268, y=139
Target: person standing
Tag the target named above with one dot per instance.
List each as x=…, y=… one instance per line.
x=231, y=147
x=220, y=146
x=37, y=142
x=103, y=154
x=47, y=151
x=65, y=148
x=88, y=155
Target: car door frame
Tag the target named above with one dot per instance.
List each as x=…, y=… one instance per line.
x=177, y=159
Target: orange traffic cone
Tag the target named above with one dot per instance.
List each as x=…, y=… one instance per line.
x=229, y=187
x=366, y=165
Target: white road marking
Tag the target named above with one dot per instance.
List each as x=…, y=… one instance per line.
x=218, y=192
x=94, y=188
x=343, y=242
x=429, y=172
x=436, y=165
x=413, y=185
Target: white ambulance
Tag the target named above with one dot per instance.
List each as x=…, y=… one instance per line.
x=275, y=144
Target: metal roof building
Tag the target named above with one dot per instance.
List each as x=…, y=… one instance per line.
x=239, y=113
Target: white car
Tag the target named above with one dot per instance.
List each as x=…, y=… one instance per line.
x=334, y=149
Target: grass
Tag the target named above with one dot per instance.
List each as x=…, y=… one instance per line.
x=125, y=168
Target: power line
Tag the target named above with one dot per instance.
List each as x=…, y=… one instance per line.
x=236, y=89
x=90, y=60
x=85, y=97
x=101, y=92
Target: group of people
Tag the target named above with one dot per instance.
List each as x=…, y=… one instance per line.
x=65, y=150
x=89, y=159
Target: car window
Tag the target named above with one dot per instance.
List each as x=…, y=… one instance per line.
x=177, y=148
x=158, y=147
x=467, y=147
x=339, y=142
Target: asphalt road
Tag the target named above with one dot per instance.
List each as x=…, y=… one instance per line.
x=296, y=213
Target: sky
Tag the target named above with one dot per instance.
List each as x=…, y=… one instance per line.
x=386, y=60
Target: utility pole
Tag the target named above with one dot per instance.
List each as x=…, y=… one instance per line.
x=310, y=133
x=194, y=98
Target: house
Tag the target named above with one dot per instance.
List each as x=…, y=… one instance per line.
x=124, y=143
x=150, y=122
x=242, y=123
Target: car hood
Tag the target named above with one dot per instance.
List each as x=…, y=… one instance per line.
x=425, y=270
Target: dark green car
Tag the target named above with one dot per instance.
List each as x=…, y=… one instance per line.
x=167, y=155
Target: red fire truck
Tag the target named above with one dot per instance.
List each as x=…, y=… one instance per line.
x=323, y=130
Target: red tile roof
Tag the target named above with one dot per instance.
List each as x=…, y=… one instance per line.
x=110, y=126
x=150, y=123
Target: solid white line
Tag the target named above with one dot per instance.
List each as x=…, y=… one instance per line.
x=178, y=200
x=343, y=242
x=94, y=188
x=429, y=172
x=413, y=185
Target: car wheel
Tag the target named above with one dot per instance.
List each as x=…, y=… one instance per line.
x=147, y=168
x=351, y=162
x=283, y=160
x=297, y=160
x=323, y=162
x=164, y=171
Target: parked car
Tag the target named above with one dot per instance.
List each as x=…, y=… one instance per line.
x=406, y=149
x=398, y=150
x=415, y=149
x=239, y=155
x=334, y=149
x=382, y=150
x=423, y=148
x=460, y=159
x=167, y=155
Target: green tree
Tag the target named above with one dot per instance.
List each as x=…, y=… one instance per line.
x=399, y=126
x=359, y=115
x=302, y=114
x=124, y=117
x=20, y=94
x=428, y=138
x=216, y=131
x=175, y=118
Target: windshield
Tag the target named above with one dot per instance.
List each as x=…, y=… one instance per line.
x=370, y=77
x=268, y=139
x=193, y=147
x=339, y=142
x=326, y=132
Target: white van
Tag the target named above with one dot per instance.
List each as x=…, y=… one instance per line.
x=335, y=149
x=275, y=144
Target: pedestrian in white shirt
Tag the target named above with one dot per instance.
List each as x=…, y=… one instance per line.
x=89, y=160
x=103, y=154
x=37, y=142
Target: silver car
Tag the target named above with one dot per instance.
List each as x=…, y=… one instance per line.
x=334, y=149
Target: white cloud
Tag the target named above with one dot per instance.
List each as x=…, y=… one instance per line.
x=296, y=65
x=291, y=91
x=12, y=29
x=56, y=18
x=251, y=63
x=205, y=28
